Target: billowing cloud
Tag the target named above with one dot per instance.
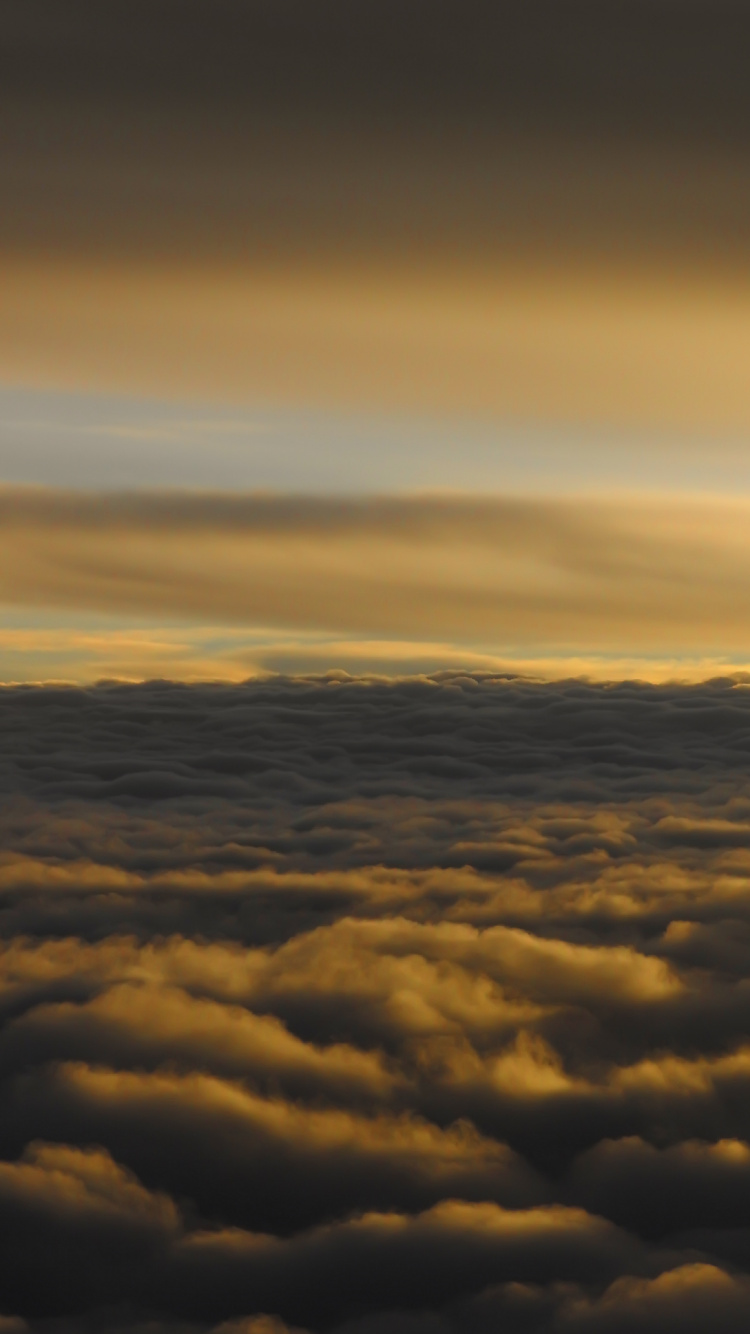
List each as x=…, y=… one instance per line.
x=295, y=1037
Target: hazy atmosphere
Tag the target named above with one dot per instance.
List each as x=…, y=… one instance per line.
x=374, y=667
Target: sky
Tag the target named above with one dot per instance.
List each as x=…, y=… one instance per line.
x=391, y=250
x=374, y=667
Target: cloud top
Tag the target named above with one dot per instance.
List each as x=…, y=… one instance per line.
x=349, y=1005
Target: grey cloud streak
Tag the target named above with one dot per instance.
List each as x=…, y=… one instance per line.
x=349, y=1005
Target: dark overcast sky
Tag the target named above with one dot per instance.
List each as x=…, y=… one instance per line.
x=669, y=65
x=217, y=128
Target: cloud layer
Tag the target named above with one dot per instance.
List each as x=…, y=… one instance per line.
x=337, y=1004
x=504, y=576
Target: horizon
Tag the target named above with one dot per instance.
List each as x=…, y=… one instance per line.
x=374, y=667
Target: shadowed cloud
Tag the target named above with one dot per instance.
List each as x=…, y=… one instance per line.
x=292, y=1036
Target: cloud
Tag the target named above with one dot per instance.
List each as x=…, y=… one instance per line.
x=692, y=1298
x=397, y=1261
x=691, y=1184
x=102, y=1227
x=367, y=1006
x=155, y=1025
x=227, y=1148
x=499, y=576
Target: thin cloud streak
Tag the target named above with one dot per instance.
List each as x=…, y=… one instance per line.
x=546, y=342
x=503, y=577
